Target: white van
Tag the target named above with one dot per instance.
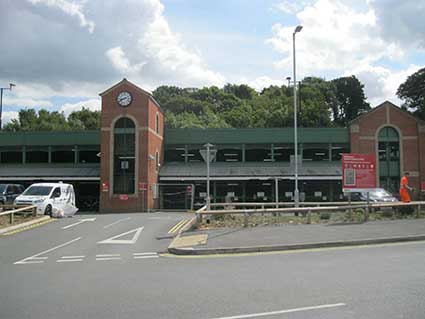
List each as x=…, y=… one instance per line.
x=53, y=199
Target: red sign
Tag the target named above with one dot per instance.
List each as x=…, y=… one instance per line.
x=423, y=186
x=189, y=189
x=123, y=197
x=105, y=187
x=143, y=186
x=358, y=172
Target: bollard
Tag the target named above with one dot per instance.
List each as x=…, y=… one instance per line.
x=11, y=219
x=34, y=211
x=246, y=218
x=418, y=210
x=309, y=217
x=366, y=214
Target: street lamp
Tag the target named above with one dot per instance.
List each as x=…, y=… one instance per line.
x=296, y=191
x=11, y=85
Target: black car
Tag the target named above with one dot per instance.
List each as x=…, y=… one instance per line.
x=8, y=193
x=379, y=195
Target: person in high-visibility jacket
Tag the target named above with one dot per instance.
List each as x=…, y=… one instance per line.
x=405, y=188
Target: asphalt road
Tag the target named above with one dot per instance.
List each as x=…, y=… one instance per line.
x=386, y=281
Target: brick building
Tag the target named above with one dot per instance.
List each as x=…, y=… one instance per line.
x=134, y=164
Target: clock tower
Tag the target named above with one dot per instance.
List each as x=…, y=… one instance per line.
x=132, y=132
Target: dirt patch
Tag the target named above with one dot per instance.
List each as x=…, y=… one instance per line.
x=18, y=219
x=238, y=220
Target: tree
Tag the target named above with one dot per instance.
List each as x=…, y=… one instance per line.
x=412, y=91
x=350, y=100
x=242, y=91
x=84, y=120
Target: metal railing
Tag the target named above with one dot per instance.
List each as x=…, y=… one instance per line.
x=17, y=209
x=306, y=211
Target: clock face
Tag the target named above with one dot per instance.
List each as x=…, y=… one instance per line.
x=124, y=98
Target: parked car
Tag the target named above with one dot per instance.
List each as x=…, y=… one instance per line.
x=379, y=195
x=53, y=199
x=9, y=192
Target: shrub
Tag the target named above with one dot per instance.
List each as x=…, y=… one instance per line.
x=325, y=216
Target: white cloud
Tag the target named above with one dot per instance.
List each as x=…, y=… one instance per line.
x=262, y=82
x=291, y=7
x=121, y=62
x=382, y=83
x=335, y=38
x=26, y=102
x=92, y=104
x=9, y=116
x=70, y=8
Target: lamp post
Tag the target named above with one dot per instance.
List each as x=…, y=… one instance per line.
x=11, y=85
x=296, y=191
x=208, y=155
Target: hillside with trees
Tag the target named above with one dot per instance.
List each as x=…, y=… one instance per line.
x=321, y=104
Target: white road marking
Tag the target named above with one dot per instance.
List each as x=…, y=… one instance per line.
x=114, y=240
x=72, y=257
x=108, y=255
x=116, y=222
x=108, y=258
x=36, y=256
x=141, y=254
x=272, y=313
x=144, y=257
x=67, y=260
x=39, y=258
x=80, y=222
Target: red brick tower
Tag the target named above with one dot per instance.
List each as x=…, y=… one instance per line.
x=132, y=131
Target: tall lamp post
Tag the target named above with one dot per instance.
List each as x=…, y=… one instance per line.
x=296, y=191
x=11, y=85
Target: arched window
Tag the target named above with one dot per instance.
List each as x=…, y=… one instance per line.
x=124, y=156
x=389, y=159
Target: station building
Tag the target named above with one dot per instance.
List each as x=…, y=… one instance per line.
x=134, y=163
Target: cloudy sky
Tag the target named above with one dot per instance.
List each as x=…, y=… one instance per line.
x=62, y=53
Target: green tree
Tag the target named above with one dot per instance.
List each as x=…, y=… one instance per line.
x=350, y=100
x=84, y=119
x=241, y=91
x=412, y=91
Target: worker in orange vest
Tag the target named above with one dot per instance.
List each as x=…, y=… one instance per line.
x=405, y=188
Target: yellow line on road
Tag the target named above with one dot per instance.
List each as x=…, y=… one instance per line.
x=27, y=227
x=177, y=227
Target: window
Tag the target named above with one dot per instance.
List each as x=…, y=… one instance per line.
x=258, y=153
x=157, y=123
x=174, y=153
x=11, y=155
x=56, y=193
x=124, y=156
x=229, y=153
x=88, y=154
x=63, y=154
x=389, y=159
x=37, y=154
x=315, y=153
x=282, y=153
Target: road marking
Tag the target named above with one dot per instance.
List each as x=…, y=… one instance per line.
x=72, y=257
x=80, y=222
x=116, y=222
x=114, y=240
x=108, y=258
x=272, y=313
x=146, y=257
x=177, y=226
x=68, y=260
x=36, y=256
x=12, y=232
x=108, y=255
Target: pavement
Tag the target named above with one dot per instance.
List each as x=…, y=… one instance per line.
x=292, y=237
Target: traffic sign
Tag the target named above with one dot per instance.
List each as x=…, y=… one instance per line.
x=204, y=154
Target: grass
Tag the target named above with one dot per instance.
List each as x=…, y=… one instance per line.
x=18, y=219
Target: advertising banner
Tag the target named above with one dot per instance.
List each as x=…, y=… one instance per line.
x=358, y=172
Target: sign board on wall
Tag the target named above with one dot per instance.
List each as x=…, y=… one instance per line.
x=423, y=186
x=358, y=172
